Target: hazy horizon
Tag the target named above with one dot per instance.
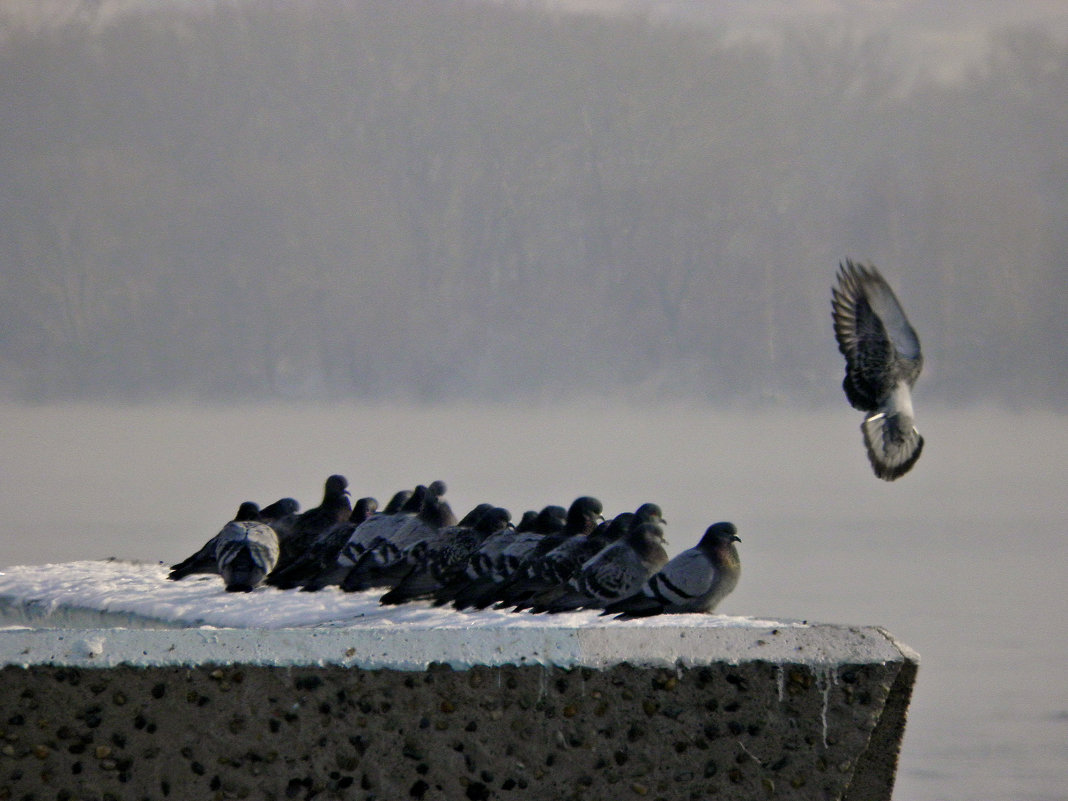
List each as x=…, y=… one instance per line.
x=458, y=201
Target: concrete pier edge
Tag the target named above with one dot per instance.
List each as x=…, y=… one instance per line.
x=673, y=711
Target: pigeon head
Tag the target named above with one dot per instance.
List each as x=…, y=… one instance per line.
x=397, y=501
x=437, y=488
x=650, y=512
x=494, y=519
x=644, y=535
x=549, y=520
x=583, y=515
x=415, y=499
x=470, y=519
x=247, y=511
x=279, y=509
x=526, y=522
x=618, y=526
x=336, y=485
x=363, y=509
x=719, y=535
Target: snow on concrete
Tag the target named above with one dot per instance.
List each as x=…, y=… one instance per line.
x=138, y=594
x=107, y=613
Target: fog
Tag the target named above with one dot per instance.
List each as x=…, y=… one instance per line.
x=453, y=200
x=963, y=559
x=548, y=249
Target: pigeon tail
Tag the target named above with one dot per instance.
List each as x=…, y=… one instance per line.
x=893, y=443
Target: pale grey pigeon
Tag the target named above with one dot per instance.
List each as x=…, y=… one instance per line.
x=694, y=581
x=245, y=552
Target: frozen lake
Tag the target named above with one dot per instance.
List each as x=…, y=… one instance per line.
x=964, y=559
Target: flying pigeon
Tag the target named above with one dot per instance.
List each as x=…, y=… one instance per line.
x=694, y=581
x=883, y=361
x=246, y=551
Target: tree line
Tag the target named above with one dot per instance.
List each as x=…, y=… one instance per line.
x=439, y=200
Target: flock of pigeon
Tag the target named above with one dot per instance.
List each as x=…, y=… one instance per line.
x=556, y=560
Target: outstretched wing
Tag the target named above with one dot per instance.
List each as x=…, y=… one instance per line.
x=883, y=361
x=880, y=346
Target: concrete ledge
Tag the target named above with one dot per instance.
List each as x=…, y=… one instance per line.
x=684, y=710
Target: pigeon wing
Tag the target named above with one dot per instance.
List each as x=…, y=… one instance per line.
x=880, y=346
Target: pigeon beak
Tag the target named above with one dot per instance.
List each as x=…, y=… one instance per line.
x=735, y=538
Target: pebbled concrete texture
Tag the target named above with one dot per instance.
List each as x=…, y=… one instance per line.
x=677, y=711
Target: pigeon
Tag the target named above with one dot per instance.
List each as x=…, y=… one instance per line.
x=485, y=569
x=694, y=581
x=605, y=535
x=445, y=559
x=323, y=551
x=883, y=361
x=558, y=565
x=397, y=501
x=204, y=560
x=246, y=551
x=615, y=572
x=280, y=515
x=334, y=508
x=523, y=559
x=385, y=561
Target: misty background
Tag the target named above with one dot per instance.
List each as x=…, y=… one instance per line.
x=543, y=249
x=465, y=200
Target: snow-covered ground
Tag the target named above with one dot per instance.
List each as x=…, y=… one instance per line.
x=138, y=595
x=111, y=612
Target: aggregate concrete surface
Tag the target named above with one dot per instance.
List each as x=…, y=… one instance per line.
x=661, y=712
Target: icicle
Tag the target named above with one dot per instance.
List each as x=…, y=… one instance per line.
x=824, y=679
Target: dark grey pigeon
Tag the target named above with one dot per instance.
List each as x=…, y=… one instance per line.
x=204, y=560
x=397, y=501
x=446, y=557
x=558, y=565
x=323, y=551
x=281, y=515
x=386, y=561
x=606, y=534
x=521, y=564
x=694, y=581
x=498, y=557
x=334, y=508
x=616, y=572
x=246, y=552
x=883, y=361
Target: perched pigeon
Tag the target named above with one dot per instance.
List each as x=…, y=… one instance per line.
x=488, y=568
x=523, y=559
x=557, y=566
x=334, y=508
x=883, y=361
x=385, y=561
x=280, y=515
x=397, y=501
x=323, y=551
x=445, y=558
x=246, y=552
x=615, y=572
x=694, y=581
x=204, y=560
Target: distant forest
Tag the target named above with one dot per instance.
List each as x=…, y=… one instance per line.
x=437, y=200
